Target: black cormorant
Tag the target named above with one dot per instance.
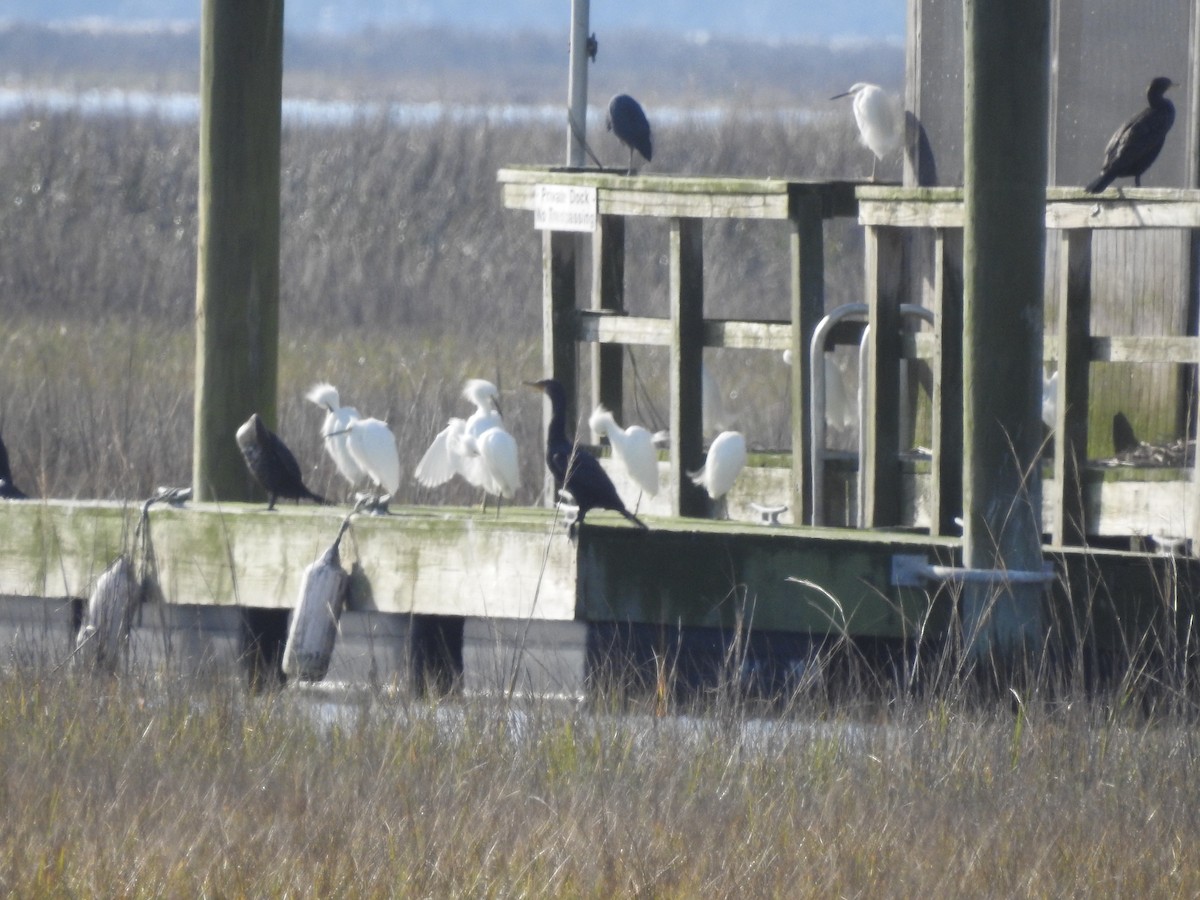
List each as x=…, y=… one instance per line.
x=8, y=490
x=574, y=469
x=272, y=463
x=627, y=120
x=1136, y=144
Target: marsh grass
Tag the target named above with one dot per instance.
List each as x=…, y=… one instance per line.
x=151, y=787
x=401, y=273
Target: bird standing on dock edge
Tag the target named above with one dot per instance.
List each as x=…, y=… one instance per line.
x=574, y=469
x=878, y=120
x=271, y=463
x=1136, y=144
x=334, y=430
x=627, y=120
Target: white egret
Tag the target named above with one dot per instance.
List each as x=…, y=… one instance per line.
x=879, y=119
x=1050, y=399
x=492, y=462
x=460, y=448
x=373, y=447
x=335, y=431
x=725, y=460
x=633, y=448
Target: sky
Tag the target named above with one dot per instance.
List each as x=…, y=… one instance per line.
x=775, y=20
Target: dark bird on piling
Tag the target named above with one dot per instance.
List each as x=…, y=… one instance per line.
x=1136, y=144
x=272, y=463
x=8, y=490
x=627, y=120
x=574, y=469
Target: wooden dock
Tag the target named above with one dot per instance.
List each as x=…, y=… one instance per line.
x=226, y=575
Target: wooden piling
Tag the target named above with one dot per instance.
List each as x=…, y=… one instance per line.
x=1006, y=152
x=237, y=278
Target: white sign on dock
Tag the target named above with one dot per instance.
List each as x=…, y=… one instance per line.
x=558, y=207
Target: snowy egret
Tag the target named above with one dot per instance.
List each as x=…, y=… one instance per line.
x=8, y=490
x=878, y=117
x=492, y=462
x=627, y=120
x=574, y=469
x=1049, y=399
x=725, y=460
x=372, y=445
x=272, y=463
x=335, y=431
x=1136, y=144
x=457, y=449
x=633, y=448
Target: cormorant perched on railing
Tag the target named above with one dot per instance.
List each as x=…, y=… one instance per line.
x=1136, y=144
x=627, y=120
x=8, y=490
x=272, y=463
x=574, y=469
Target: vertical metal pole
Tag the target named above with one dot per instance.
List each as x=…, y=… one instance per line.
x=237, y=278
x=577, y=84
x=1007, y=44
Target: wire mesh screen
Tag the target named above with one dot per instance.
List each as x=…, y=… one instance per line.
x=1104, y=56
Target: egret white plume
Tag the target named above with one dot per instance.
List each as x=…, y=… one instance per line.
x=724, y=462
x=632, y=447
x=469, y=449
x=335, y=430
x=879, y=119
x=373, y=446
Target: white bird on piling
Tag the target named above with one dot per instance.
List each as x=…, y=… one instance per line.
x=373, y=447
x=879, y=121
x=335, y=431
x=725, y=460
x=633, y=448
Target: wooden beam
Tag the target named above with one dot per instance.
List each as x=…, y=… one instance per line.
x=608, y=295
x=806, y=247
x=1066, y=502
x=560, y=353
x=237, y=275
x=946, y=500
x=880, y=476
x=687, y=356
x=1007, y=54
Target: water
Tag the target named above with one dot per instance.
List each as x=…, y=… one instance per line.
x=306, y=112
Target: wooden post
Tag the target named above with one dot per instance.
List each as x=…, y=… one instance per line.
x=237, y=278
x=608, y=293
x=881, y=463
x=1006, y=107
x=687, y=354
x=946, y=501
x=1074, y=357
x=807, y=247
x=560, y=352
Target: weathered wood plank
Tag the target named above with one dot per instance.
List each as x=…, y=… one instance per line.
x=687, y=354
x=667, y=196
x=1071, y=411
x=880, y=489
x=608, y=295
x=946, y=499
x=422, y=560
x=1065, y=209
x=1145, y=349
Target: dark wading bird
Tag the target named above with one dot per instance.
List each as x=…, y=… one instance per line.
x=8, y=490
x=1135, y=146
x=627, y=120
x=574, y=469
x=272, y=463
